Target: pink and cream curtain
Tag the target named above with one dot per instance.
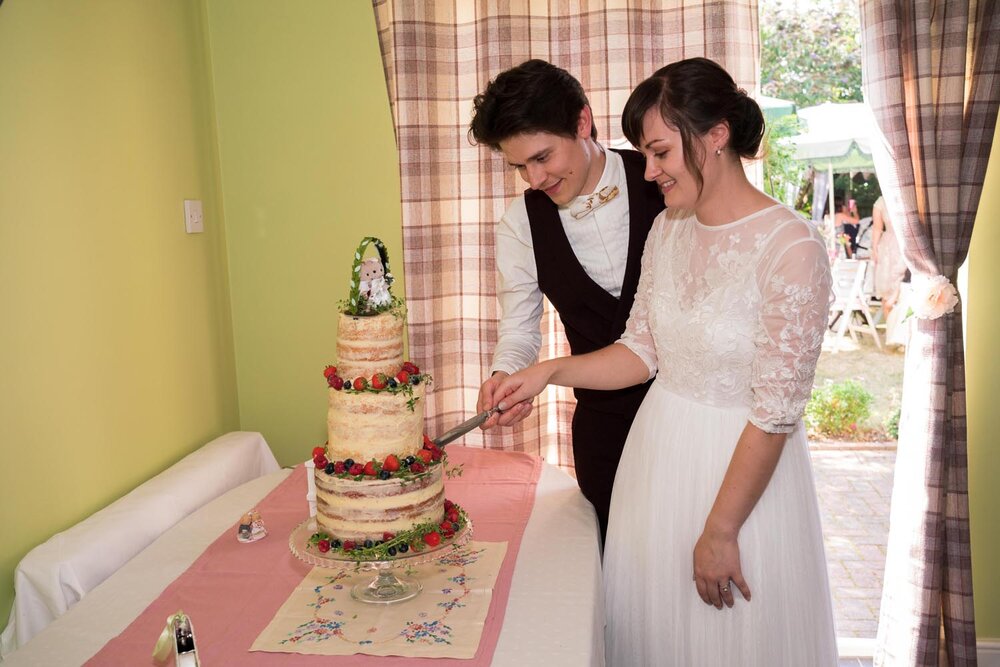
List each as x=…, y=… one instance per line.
x=932, y=78
x=438, y=55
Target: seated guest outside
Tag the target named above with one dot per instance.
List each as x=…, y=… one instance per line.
x=847, y=221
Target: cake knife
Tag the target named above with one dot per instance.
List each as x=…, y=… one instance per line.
x=464, y=427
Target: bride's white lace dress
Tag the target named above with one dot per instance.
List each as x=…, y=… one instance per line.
x=731, y=319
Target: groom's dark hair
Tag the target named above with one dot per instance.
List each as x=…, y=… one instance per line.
x=535, y=96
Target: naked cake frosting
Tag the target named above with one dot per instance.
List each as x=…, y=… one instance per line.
x=379, y=478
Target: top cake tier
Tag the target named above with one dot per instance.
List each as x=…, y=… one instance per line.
x=371, y=344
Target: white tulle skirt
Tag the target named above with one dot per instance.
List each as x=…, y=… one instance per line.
x=673, y=464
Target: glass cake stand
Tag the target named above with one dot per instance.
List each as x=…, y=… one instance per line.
x=385, y=586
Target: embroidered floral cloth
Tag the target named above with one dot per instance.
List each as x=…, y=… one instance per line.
x=444, y=621
x=232, y=591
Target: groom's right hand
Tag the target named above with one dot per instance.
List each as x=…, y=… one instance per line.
x=488, y=399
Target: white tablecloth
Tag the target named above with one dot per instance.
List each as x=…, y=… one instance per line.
x=555, y=613
x=57, y=574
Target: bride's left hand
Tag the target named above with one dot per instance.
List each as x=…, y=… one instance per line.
x=522, y=386
x=717, y=569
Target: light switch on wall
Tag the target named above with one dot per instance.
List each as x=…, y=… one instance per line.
x=194, y=220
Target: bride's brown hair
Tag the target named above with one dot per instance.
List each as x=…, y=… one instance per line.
x=693, y=96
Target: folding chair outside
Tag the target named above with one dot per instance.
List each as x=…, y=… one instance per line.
x=852, y=296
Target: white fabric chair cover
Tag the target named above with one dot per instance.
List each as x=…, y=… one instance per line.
x=55, y=575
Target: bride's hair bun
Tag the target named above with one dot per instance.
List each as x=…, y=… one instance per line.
x=693, y=96
x=746, y=126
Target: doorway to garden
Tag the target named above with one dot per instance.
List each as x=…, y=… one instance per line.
x=821, y=165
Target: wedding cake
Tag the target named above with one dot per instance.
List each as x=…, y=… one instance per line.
x=379, y=480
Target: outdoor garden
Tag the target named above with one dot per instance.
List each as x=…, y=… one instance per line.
x=818, y=153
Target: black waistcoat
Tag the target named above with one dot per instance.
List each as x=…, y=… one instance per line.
x=591, y=317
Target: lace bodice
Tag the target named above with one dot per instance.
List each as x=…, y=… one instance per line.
x=734, y=314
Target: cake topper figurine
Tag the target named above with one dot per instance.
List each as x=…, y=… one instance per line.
x=371, y=281
x=251, y=527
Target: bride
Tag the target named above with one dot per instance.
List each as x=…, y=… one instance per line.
x=714, y=553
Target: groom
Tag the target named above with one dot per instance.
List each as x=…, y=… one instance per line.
x=575, y=237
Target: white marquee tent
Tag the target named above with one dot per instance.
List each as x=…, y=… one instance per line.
x=838, y=138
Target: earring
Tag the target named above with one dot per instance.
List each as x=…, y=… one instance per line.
x=718, y=151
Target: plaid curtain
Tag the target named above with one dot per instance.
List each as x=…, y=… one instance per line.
x=932, y=78
x=438, y=55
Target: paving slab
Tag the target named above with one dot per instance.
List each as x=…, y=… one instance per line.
x=854, y=486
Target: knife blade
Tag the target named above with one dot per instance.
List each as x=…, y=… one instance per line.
x=464, y=427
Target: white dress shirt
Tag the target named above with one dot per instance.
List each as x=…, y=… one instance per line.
x=600, y=242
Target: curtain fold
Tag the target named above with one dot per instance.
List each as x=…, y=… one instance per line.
x=437, y=57
x=932, y=78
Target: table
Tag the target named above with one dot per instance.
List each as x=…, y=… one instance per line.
x=555, y=612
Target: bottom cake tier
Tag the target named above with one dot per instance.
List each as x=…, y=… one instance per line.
x=359, y=510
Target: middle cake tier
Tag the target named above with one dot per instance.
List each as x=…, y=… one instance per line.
x=367, y=426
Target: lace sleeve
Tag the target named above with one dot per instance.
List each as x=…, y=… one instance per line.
x=795, y=288
x=637, y=336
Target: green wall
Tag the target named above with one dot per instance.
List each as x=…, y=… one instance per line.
x=982, y=373
x=116, y=351
x=309, y=168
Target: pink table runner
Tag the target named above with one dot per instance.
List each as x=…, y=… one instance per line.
x=233, y=590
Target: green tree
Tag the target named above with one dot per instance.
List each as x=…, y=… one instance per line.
x=863, y=190
x=810, y=52
x=781, y=172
